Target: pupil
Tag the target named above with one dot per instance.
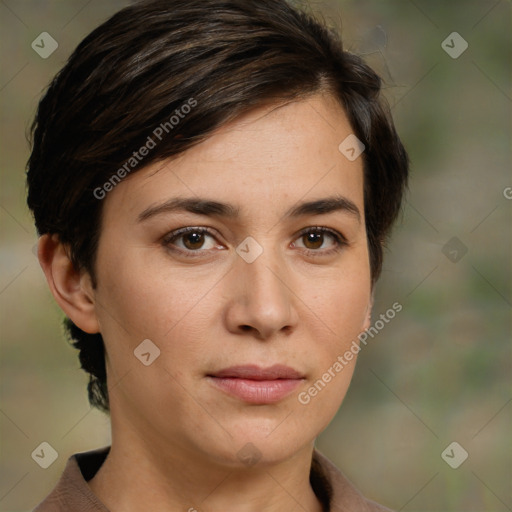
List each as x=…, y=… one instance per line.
x=315, y=239
x=194, y=240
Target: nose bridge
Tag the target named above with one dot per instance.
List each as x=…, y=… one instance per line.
x=264, y=300
x=266, y=279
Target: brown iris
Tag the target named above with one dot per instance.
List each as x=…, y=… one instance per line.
x=194, y=240
x=316, y=239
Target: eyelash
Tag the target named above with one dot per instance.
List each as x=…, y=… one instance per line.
x=340, y=240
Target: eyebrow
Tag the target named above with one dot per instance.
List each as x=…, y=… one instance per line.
x=208, y=207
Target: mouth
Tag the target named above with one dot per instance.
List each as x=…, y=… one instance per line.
x=256, y=385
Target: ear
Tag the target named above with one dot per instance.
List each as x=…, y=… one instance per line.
x=71, y=288
x=368, y=319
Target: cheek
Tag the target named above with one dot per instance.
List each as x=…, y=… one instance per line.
x=152, y=302
x=148, y=300
x=342, y=304
x=342, y=300
x=339, y=314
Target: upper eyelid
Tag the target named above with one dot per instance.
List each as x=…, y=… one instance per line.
x=177, y=233
x=322, y=229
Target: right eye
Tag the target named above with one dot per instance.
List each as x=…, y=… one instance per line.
x=191, y=240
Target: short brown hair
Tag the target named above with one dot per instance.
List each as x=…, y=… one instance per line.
x=138, y=69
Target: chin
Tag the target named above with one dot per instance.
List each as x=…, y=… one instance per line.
x=260, y=444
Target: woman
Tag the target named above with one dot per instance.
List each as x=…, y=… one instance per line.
x=213, y=183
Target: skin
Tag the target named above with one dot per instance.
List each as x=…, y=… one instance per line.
x=175, y=436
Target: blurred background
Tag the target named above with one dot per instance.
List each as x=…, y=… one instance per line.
x=438, y=373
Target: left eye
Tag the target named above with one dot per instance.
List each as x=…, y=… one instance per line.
x=313, y=239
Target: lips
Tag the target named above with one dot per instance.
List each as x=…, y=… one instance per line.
x=256, y=385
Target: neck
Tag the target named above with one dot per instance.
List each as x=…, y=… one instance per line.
x=134, y=478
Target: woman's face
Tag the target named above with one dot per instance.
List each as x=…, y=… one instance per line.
x=263, y=279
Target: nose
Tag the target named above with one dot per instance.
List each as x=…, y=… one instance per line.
x=261, y=298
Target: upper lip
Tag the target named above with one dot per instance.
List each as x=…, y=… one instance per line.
x=254, y=372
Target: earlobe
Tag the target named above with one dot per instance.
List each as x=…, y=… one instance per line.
x=71, y=288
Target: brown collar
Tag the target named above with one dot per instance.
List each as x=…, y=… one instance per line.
x=71, y=493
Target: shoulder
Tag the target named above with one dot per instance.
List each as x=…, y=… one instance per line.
x=72, y=491
x=336, y=491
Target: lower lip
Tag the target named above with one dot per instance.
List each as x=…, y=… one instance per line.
x=257, y=391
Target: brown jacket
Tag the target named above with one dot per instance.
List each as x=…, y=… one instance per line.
x=72, y=494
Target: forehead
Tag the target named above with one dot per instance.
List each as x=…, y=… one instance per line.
x=269, y=157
